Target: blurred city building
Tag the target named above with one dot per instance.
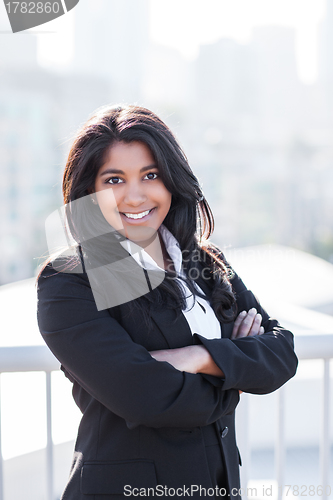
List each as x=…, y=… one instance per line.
x=111, y=40
x=17, y=50
x=259, y=140
x=325, y=59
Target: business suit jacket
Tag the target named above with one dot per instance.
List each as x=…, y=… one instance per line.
x=143, y=420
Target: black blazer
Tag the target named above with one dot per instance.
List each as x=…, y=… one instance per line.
x=142, y=419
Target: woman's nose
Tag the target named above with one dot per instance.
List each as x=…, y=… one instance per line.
x=134, y=195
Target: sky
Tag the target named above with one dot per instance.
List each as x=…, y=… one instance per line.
x=185, y=24
x=200, y=22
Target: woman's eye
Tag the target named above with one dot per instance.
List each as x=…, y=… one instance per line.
x=114, y=180
x=151, y=176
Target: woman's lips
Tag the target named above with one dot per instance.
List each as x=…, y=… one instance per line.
x=137, y=219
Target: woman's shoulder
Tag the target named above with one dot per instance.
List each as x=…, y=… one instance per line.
x=65, y=266
x=214, y=253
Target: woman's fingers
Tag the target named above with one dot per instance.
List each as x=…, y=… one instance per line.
x=247, y=324
x=255, y=328
x=237, y=324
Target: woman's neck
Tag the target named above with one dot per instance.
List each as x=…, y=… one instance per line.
x=158, y=252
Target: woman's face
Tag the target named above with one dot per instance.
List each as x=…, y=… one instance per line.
x=130, y=193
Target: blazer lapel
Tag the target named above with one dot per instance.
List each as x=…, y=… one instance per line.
x=175, y=330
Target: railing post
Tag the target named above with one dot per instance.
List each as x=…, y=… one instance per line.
x=49, y=445
x=280, y=443
x=1, y=459
x=325, y=437
x=243, y=441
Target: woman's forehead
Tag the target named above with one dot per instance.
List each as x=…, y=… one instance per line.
x=127, y=157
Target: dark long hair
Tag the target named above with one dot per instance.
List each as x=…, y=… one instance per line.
x=189, y=219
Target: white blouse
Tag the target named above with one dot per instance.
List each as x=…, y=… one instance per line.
x=198, y=313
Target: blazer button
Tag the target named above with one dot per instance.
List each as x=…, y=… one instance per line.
x=224, y=432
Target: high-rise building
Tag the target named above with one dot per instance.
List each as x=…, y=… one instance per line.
x=224, y=82
x=277, y=83
x=17, y=50
x=326, y=45
x=110, y=41
x=167, y=79
x=325, y=62
x=39, y=113
x=27, y=174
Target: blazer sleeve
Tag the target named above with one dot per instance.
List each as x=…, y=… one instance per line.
x=99, y=354
x=259, y=364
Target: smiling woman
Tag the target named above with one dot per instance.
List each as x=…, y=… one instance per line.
x=158, y=365
x=139, y=198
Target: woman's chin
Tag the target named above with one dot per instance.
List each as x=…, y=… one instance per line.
x=142, y=235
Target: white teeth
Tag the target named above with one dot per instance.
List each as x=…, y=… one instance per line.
x=137, y=216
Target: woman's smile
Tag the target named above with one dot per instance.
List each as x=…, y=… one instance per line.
x=136, y=216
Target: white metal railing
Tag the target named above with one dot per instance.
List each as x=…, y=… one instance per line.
x=27, y=359
x=39, y=358
x=307, y=347
x=313, y=348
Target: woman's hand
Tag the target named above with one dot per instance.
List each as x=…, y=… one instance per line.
x=191, y=359
x=247, y=324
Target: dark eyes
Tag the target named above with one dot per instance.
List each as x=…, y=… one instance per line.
x=114, y=180
x=118, y=180
x=151, y=176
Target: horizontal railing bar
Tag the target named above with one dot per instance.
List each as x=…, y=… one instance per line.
x=27, y=358
x=40, y=358
x=314, y=346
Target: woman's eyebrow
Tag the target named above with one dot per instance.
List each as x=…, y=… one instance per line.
x=117, y=171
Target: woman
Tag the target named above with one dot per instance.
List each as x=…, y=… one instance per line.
x=143, y=318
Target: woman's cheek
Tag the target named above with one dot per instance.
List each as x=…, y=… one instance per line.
x=109, y=208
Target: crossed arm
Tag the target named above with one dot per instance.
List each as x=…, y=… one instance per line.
x=197, y=359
